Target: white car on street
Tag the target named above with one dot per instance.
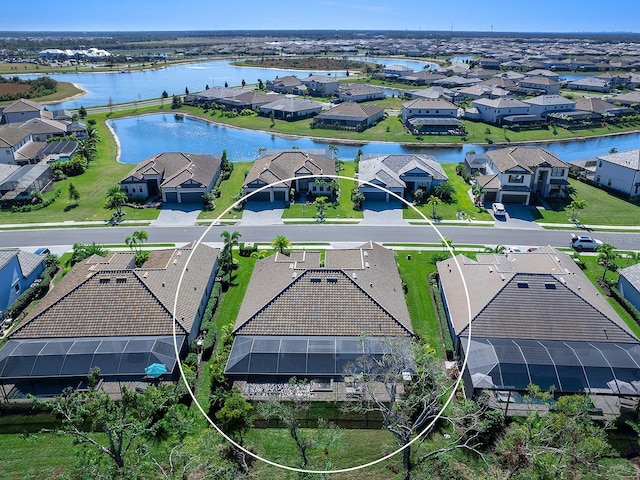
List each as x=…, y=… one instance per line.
x=584, y=242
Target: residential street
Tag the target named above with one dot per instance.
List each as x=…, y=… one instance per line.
x=314, y=233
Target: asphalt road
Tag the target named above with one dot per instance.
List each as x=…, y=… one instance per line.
x=314, y=233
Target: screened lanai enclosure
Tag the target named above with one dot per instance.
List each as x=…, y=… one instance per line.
x=45, y=367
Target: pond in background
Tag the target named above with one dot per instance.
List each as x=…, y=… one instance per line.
x=143, y=136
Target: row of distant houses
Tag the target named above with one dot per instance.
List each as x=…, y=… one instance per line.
x=506, y=175
x=26, y=149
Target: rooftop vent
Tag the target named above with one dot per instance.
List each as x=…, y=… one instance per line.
x=549, y=285
x=366, y=254
x=489, y=267
x=121, y=280
x=354, y=275
x=332, y=280
x=313, y=280
x=105, y=280
x=366, y=264
x=502, y=277
x=523, y=284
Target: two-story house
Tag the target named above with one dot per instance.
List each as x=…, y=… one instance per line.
x=11, y=140
x=542, y=105
x=493, y=110
x=515, y=174
x=620, y=171
x=321, y=85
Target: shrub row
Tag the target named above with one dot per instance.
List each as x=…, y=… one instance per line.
x=246, y=251
x=626, y=304
x=440, y=312
x=37, y=206
x=207, y=327
x=32, y=293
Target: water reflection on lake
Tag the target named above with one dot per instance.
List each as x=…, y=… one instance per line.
x=144, y=136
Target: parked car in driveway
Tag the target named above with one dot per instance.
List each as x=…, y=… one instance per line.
x=584, y=242
x=498, y=210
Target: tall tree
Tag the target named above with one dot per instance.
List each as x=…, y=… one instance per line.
x=607, y=256
x=574, y=206
x=226, y=255
x=445, y=191
x=434, y=201
x=74, y=195
x=406, y=408
x=116, y=198
x=281, y=242
x=127, y=426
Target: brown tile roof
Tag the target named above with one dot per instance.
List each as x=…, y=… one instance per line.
x=353, y=294
x=109, y=297
x=525, y=157
x=271, y=168
x=177, y=168
x=540, y=295
x=10, y=136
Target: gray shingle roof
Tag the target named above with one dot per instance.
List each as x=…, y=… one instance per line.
x=389, y=168
x=632, y=274
x=629, y=159
x=540, y=295
x=11, y=136
x=177, y=167
x=351, y=111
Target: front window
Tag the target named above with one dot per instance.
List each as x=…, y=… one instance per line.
x=516, y=178
x=557, y=172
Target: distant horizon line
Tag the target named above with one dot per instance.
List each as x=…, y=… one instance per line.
x=584, y=32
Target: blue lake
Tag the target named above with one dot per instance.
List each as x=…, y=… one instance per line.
x=144, y=136
x=134, y=86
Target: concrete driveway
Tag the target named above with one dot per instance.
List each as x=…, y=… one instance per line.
x=177, y=214
x=518, y=216
x=262, y=213
x=383, y=213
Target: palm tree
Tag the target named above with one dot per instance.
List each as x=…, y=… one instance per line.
x=434, y=202
x=74, y=195
x=496, y=249
x=478, y=191
x=606, y=258
x=92, y=135
x=116, y=198
x=281, y=242
x=86, y=150
x=445, y=191
x=633, y=257
x=226, y=255
x=447, y=243
x=333, y=149
x=136, y=239
x=574, y=206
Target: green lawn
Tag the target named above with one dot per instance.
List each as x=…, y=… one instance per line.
x=449, y=211
x=228, y=189
x=601, y=208
x=341, y=209
x=594, y=271
x=354, y=447
x=421, y=310
x=36, y=456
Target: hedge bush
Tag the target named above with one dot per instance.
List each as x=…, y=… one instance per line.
x=37, y=206
x=32, y=293
x=626, y=304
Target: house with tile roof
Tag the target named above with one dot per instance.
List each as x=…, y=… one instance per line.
x=427, y=116
x=542, y=105
x=541, y=83
x=349, y=116
x=534, y=318
x=248, y=100
x=359, y=92
x=291, y=108
x=515, y=174
x=620, y=171
x=289, y=84
x=18, y=270
x=107, y=313
x=214, y=95
x=321, y=85
x=283, y=166
x=179, y=177
x=493, y=110
x=12, y=139
x=20, y=111
x=401, y=174
x=302, y=318
x=591, y=84
x=600, y=108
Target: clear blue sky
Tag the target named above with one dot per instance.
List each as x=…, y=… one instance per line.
x=461, y=15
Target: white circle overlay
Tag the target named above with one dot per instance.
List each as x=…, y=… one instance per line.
x=424, y=431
